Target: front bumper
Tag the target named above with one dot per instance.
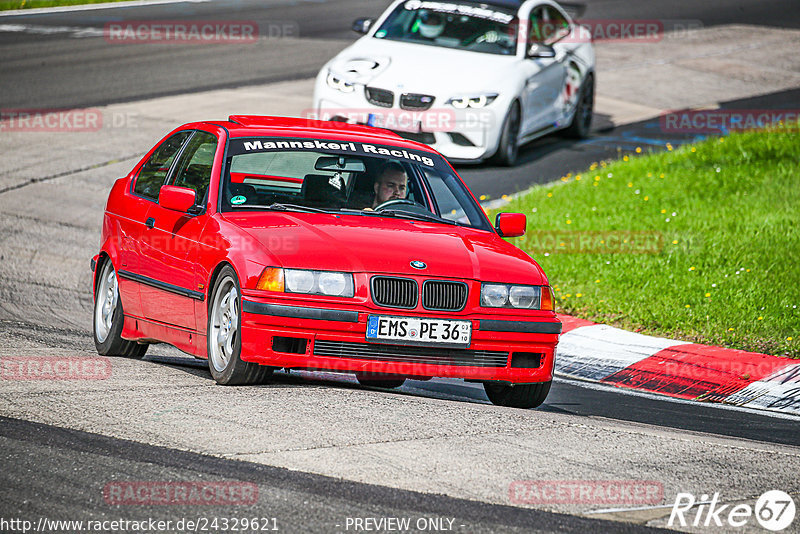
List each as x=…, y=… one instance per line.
x=458, y=134
x=503, y=347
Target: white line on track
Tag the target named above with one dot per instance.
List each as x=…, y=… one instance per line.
x=88, y=7
x=75, y=31
x=638, y=508
x=655, y=396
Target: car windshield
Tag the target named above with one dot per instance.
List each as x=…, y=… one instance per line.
x=312, y=175
x=463, y=25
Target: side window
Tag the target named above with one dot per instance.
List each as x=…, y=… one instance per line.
x=152, y=174
x=194, y=166
x=452, y=199
x=535, y=23
x=556, y=26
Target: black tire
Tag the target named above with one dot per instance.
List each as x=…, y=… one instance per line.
x=507, y=148
x=581, y=123
x=224, y=362
x=517, y=395
x=380, y=381
x=107, y=330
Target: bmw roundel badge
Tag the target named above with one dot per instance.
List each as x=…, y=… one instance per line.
x=418, y=264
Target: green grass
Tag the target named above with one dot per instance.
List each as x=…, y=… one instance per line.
x=725, y=217
x=31, y=4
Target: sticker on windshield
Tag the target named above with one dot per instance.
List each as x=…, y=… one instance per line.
x=315, y=145
x=238, y=199
x=460, y=9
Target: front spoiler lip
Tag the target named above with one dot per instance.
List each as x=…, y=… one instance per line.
x=314, y=362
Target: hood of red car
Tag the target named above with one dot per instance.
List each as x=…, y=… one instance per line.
x=354, y=243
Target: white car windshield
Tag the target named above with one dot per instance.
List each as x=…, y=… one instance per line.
x=287, y=174
x=462, y=25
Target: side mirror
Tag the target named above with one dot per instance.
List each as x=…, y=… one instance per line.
x=510, y=224
x=541, y=51
x=176, y=198
x=362, y=25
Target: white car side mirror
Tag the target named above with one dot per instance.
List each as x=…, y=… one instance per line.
x=541, y=51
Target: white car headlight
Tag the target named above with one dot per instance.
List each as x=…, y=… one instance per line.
x=334, y=82
x=510, y=296
x=330, y=283
x=475, y=101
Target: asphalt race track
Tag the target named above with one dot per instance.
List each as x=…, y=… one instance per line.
x=54, y=70
x=321, y=449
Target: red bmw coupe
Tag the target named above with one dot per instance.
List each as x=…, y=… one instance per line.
x=262, y=243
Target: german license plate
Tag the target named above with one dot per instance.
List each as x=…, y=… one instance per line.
x=419, y=331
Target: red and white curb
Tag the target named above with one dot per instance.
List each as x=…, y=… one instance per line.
x=608, y=355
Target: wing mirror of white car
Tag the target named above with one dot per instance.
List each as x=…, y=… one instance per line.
x=541, y=51
x=362, y=25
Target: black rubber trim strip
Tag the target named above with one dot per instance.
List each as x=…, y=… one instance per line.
x=528, y=327
x=297, y=312
x=158, y=284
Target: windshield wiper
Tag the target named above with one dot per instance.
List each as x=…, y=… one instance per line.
x=354, y=211
x=417, y=216
x=277, y=206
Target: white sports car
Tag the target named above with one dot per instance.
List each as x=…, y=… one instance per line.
x=471, y=79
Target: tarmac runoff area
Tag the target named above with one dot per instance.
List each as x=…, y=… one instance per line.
x=53, y=188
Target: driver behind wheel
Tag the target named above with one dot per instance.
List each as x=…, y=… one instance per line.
x=430, y=24
x=390, y=184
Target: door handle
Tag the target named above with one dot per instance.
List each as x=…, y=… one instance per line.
x=150, y=222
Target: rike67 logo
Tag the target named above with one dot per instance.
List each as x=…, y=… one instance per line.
x=774, y=510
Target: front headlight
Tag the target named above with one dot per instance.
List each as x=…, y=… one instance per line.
x=475, y=101
x=494, y=295
x=334, y=82
x=511, y=296
x=330, y=283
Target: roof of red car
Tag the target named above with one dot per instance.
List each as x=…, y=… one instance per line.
x=255, y=125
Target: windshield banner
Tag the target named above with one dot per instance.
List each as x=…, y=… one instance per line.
x=282, y=144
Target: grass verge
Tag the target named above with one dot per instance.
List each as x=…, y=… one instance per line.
x=700, y=243
x=6, y=5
